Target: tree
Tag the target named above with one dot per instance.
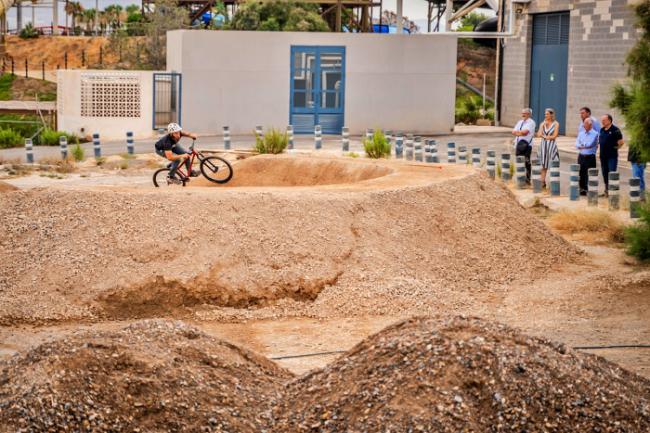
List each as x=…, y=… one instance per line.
x=279, y=16
x=88, y=19
x=470, y=21
x=633, y=99
x=113, y=16
x=165, y=16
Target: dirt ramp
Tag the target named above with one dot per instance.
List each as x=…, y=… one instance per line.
x=7, y=187
x=151, y=376
x=283, y=170
x=464, y=374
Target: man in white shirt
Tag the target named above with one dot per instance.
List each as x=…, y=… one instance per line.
x=524, y=131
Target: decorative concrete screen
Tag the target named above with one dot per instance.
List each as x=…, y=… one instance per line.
x=111, y=94
x=110, y=103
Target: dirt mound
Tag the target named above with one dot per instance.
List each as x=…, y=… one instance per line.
x=52, y=50
x=446, y=244
x=464, y=375
x=273, y=170
x=152, y=376
x=7, y=187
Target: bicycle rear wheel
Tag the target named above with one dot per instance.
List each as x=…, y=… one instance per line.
x=216, y=169
x=160, y=179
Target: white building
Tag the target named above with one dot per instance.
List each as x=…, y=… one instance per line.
x=273, y=79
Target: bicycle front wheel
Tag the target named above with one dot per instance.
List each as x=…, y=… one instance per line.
x=161, y=180
x=216, y=169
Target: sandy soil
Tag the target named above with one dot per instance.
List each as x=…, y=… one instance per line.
x=252, y=265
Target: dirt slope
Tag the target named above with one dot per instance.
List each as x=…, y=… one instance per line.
x=463, y=374
x=318, y=252
x=152, y=376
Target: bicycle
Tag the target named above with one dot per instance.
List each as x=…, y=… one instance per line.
x=213, y=168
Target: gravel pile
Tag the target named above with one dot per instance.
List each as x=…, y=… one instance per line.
x=150, y=376
x=461, y=374
x=266, y=253
x=422, y=375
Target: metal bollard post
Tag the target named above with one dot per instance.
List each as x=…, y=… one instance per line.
x=259, y=132
x=226, y=137
x=491, y=164
x=427, y=151
x=614, y=190
x=555, y=178
x=417, y=149
x=462, y=155
x=574, y=182
x=290, y=137
x=635, y=196
x=129, y=143
x=505, y=167
x=408, y=148
x=345, y=139
x=63, y=145
x=97, y=146
x=520, y=171
x=451, y=153
x=434, y=152
x=318, y=138
x=389, y=136
x=29, y=150
x=399, y=146
x=536, y=176
x=592, y=187
x=476, y=157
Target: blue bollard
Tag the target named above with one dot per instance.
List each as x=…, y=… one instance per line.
x=635, y=197
x=613, y=190
x=476, y=157
x=290, y=137
x=318, y=138
x=399, y=146
x=29, y=150
x=536, y=176
x=451, y=153
x=345, y=139
x=555, y=178
x=574, y=182
x=592, y=187
x=130, y=149
x=491, y=164
x=505, y=167
x=520, y=171
x=462, y=155
x=226, y=138
x=63, y=145
x=97, y=146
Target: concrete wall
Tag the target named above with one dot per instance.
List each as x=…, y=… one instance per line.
x=242, y=79
x=130, y=117
x=601, y=34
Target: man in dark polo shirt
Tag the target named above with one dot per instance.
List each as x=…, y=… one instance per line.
x=610, y=140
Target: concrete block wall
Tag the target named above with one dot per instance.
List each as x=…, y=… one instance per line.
x=601, y=34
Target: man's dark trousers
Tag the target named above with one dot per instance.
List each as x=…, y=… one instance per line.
x=586, y=162
x=607, y=165
x=526, y=156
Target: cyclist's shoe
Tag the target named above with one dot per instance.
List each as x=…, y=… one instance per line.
x=174, y=180
x=194, y=173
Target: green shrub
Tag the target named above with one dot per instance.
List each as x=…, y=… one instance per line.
x=469, y=107
x=637, y=237
x=16, y=122
x=273, y=142
x=50, y=137
x=6, y=81
x=10, y=138
x=28, y=32
x=377, y=146
x=78, y=152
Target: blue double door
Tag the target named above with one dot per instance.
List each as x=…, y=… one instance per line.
x=550, y=62
x=317, y=89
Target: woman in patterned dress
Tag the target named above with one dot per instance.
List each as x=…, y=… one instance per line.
x=548, y=132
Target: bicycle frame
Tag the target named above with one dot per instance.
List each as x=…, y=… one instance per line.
x=195, y=155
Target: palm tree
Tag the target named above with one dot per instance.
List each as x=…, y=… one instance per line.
x=89, y=20
x=76, y=11
x=113, y=16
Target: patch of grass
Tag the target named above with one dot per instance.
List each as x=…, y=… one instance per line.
x=100, y=161
x=352, y=154
x=593, y=226
x=377, y=146
x=6, y=80
x=78, y=153
x=127, y=156
x=274, y=141
x=15, y=122
x=637, y=236
x=124, y=165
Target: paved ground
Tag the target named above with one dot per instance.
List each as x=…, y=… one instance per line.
x=496, y=138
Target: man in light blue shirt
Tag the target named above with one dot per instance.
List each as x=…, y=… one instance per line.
x=587, y=145
x=585, y=113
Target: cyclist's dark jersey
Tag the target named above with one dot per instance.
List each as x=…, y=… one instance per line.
x=165, y=143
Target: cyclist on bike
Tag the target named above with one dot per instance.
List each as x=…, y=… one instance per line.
x=169, y=147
